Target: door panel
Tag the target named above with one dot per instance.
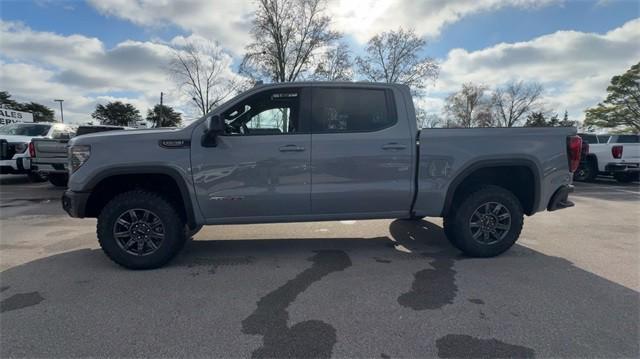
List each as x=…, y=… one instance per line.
x=261, y=166
x=355, y=170
x=250, y=176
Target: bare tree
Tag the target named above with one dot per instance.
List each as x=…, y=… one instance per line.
x=199, y=70
x=335, y=64
x=427, y=120
x=287, y=35
x=466, y=107
x=394, y=57
x=514, y=101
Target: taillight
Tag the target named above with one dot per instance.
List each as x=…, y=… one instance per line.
x=32, y=150
x=574, y=146
x=616, y=151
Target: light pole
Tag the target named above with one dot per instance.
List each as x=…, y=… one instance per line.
x=61, y=112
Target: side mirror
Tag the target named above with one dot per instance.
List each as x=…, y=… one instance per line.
x=215, y=124
x=214, y=127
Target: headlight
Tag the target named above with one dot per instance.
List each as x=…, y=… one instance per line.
x=78, y=155
x=21, y=147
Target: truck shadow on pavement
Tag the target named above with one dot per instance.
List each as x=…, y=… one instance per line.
x=406, y=294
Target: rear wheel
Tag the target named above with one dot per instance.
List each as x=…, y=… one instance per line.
x=58, y=179
x=586, y=172
x=140, y=230
x=486, y=223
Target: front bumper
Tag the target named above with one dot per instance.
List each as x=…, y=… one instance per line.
x=16, y=165
x=622, y=167
x=75, y=203
x=560, y=198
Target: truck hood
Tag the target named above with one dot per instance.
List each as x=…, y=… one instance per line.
x=125, y=135
x=16, y=138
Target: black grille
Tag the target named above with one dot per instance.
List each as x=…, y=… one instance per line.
x=7, y=150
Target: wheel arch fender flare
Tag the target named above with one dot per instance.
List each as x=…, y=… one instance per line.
x=177, y=175
x=468, y=170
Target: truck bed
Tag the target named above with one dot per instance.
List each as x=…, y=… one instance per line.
x=449, y=156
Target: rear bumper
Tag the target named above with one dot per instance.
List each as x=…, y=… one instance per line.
x=622, y=167
x=74, y=203
x=560, y=199
x=49, y=167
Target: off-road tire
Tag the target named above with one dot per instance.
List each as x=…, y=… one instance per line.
x=586, y=172
x=58, y=179
x=174, y=229
x=457, y=225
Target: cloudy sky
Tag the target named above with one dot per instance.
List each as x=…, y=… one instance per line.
x=101, y=50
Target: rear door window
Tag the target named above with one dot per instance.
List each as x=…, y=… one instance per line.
x=336, y=110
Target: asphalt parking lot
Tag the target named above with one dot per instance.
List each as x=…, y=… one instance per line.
x=375, y=289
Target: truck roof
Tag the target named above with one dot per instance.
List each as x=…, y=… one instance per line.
x=330, y=84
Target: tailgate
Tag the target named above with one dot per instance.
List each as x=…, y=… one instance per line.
x=47, y=148
x=631, y=152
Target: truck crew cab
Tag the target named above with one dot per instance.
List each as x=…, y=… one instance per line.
x=313, y=152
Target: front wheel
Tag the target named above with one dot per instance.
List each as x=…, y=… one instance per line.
x=486, y=223
x=140, y=230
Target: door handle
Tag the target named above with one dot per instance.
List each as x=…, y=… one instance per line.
x=393, y=147
x=291, y=148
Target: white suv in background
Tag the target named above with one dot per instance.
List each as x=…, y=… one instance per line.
x=16, y=148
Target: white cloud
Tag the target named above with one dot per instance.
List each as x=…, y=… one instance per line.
x=227, y=22
x=83, y=72
x=575, y=67
x=363, y=19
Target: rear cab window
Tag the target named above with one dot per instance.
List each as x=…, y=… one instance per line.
x=625, y=139
x=344, y=110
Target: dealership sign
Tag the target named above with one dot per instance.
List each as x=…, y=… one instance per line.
x=8, y=116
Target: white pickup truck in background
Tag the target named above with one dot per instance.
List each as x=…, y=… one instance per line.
x=615, y=155
x=49, y=155
x=16, y=145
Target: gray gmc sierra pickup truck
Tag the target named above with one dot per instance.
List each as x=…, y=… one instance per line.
x=314, y=152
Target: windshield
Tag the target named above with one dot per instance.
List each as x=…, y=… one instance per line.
x=25, y=129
